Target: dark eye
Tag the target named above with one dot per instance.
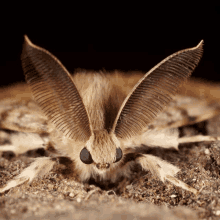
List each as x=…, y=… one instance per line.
x=85, y=156
x=118, y=154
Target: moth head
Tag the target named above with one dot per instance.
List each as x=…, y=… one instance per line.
x=101, y=150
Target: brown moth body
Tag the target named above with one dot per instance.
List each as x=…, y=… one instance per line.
x=98, y=122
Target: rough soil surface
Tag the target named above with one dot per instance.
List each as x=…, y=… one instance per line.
x=60, y=196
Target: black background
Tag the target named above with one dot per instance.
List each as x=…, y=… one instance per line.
x=111, y=37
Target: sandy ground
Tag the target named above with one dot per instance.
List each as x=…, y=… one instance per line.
x=60, y=196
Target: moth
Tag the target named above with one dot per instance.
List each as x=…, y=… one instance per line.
x=101, y=121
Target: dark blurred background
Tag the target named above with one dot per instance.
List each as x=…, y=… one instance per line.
x=114, y=37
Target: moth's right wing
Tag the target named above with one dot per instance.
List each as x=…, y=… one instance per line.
x=22, y=116
x=23, y=126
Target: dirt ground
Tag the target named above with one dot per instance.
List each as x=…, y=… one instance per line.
x=60, y=196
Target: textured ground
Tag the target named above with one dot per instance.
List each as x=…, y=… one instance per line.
x=60, y=196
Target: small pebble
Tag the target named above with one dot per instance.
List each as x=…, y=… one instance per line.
x=79, y=200
x=71, y=194
x=207, y=151
x=173, y=196
x=217, y=212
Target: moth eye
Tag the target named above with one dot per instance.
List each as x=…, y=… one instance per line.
x=85, y=156
x=118, y=154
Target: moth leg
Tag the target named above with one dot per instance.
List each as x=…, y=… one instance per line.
x=197, y=138
x=163, y=170
x=38, y=168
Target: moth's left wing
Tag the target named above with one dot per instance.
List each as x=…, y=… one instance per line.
x=195, y=102
x=185, y=110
